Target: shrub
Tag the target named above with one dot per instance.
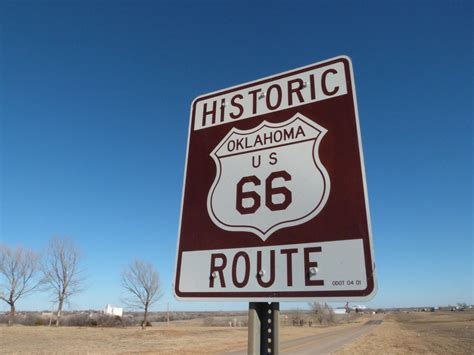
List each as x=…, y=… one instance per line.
x=77, y=320
x=209, y=322
x=322, y=313
x=27, y=319
x=109, y=321
x=148, y=324
x=4, y=318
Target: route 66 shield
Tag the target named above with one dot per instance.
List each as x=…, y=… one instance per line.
x=269, y=177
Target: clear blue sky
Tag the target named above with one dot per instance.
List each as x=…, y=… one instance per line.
x=95, y=101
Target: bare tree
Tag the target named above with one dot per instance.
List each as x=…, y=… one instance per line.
x=61, y=272
x=142, y=282
x=322, y=313
x=19, y=269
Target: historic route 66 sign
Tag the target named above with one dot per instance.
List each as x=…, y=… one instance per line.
x=274, y=200
x=260, y=187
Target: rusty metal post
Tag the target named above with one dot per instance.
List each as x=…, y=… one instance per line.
x=264, y=328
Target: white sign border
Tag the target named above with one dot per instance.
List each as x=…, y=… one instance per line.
x=364, y=181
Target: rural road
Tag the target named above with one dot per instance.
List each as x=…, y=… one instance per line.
x=325, y=343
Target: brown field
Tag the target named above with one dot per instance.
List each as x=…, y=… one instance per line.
x=418, y=333
x=174, y=339
x=437, y=332
x=183, y=337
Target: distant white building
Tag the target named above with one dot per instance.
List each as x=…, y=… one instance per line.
x=339, y=311
x=113, y=311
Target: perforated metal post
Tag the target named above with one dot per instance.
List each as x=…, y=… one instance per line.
x=264, y=328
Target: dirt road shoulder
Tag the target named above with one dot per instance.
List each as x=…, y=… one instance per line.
x=402, y=333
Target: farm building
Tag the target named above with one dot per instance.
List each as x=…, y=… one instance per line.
x=113, y=311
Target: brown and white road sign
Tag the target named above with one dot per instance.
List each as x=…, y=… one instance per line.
x=274, y=199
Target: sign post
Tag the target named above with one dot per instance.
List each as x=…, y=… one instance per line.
x=275, y=204
x=264, y=328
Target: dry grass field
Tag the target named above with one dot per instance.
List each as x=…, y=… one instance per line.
x=418, y=333
x=167, y=340
x=400, y=333
x=183, y=337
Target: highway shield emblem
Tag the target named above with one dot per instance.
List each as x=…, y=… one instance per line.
x=269, y=177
